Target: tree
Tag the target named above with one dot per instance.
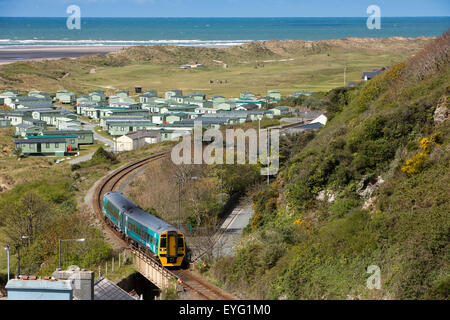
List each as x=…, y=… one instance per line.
x=26, y=217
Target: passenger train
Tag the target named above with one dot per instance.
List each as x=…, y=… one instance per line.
x=144, y=230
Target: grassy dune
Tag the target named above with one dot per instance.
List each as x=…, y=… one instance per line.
x=304, y=65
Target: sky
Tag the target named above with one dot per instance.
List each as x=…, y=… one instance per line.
x=224, y=8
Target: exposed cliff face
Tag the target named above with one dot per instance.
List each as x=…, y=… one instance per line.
x=442, y=112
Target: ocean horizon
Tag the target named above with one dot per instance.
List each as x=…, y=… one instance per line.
x=48, y=32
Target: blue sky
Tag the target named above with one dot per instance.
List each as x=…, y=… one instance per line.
x=224, y=8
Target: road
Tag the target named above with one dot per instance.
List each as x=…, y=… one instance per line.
x=231, y=230
x=91, y=127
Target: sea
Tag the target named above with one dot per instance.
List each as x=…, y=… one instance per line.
x=32, y=32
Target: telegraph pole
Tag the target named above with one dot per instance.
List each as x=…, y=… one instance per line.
x=345, y=75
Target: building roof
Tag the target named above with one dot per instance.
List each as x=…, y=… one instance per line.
x=309, y=126
x=40, y=140
x=51, y=136
x=127, y=123
x=145, y=134
x=24, y=125
x=33, y=120
x=19, y=284
x=206, y=120
x=373, y=73
x=58, y=132
x=107, y=290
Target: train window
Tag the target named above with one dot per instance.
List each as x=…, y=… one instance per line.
x=163, y=243
x=151, y=239
x=180, y=243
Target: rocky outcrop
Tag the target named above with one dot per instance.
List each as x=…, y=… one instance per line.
x=442, y=113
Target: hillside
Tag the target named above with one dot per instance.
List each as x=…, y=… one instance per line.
x=288, y=66
x=369, y=188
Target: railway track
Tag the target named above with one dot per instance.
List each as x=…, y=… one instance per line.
x=184, y=277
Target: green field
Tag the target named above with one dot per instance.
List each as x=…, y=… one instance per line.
x=318, y=72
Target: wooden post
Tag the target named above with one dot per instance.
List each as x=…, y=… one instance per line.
x=106, y=268
x=112, y=264
x=119, y=260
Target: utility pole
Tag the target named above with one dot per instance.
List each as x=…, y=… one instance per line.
x=7, y=251
x=179, y=202
x=18, y=259
x=345, y=75
x=268, y=159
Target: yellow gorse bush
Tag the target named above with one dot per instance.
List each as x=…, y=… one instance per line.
x=425, y=145
x=417, y=163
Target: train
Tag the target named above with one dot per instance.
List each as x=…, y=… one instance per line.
x=151, y=234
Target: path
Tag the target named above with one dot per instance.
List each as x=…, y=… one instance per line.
x=106, y=141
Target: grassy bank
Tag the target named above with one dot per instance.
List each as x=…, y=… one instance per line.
x=370, y=188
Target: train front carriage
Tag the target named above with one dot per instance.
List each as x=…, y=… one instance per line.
x=172, y=248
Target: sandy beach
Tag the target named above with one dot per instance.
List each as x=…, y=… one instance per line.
x=10, y=55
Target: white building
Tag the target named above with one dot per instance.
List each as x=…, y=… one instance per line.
x=136, y=140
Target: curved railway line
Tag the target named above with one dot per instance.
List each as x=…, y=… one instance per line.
x=184, y=277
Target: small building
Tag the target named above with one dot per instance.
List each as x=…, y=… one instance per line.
x=83, y=99
x=35, y=122
x=83, y=288
x=5, y=123
x=120, y=128
x=169, y=94
x=217, y=100
x=227, y=106
x=45, y=146
x=197, y=96
x=247, y=96
x=368, y=75
x=70, y=139
x=122, y=93
x=83, y=136
x=23, y=130
x=38, y=289
x=136, y=140
x=274, y=95
x=97, y=96
x=8, y=96
x=39, y=94
x=247, y=106
x=148, y=96
x=206, y=110
x=64, y=96
x=176, y=116
x=280, y=111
